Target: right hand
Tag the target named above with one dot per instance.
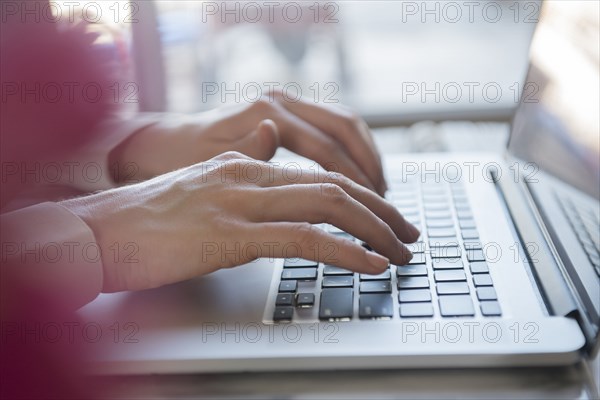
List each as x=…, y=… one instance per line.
x=246, y=209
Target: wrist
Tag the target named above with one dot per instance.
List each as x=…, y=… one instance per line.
x=95, y=212
x=136, y=158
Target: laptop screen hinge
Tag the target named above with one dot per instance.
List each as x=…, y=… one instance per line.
x=541, y=259
x=551, y=277
x=581, y=313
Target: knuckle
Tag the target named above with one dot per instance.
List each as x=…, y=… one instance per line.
x=263, y=106
x=304, y=233
x=331, y=147
x=354, y=117
x=242, y=170
x=339, y=179
x=351, y=120
x=333, y=193
x=390, y=212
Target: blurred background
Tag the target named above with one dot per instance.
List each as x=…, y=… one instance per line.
x=379, y=57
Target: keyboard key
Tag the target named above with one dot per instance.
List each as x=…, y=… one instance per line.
x=299, y=263
x=410, y=310
x=460, y=198
x=402, y=191
x=301, y=274
x=417, y=247
x=333, y=270
x=441, y=206
x=447, y=263
x=479, y=267
x=418, y=258
x=457, y=187
x=414, y=295
x=434, y=189
x=486, y=293
x=490, y=308
x=456, y=306
x=284, y=299
x=451, y=275
x=440, y=223
x=336, y=303
x=472, y=245
x=305, y=300
x=446, y=252
x=462, y=207
x=375, y=306
x=466, y=224
x=413, y=282
x=384, y=276
x=475, y=255
x=438, y=215
x=451, y=241
x=452, y=288
x=406, y=203
x=482, y=280
x=434, y=193
x=440, y=232
x=283, y=313
x=470, y=234
x=412, y=270
x=288, y=286
x=338, y=281
x=376, y=287
x=408, y=212
x=464, y=214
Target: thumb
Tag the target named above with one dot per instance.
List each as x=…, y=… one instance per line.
x=261, y=143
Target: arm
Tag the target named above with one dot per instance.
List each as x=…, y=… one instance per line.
x=51, y=251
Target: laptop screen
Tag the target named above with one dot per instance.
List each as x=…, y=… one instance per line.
x=556, y=125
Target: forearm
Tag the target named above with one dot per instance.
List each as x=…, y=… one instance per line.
x=53, y=252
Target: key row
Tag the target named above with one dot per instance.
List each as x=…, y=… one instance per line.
x=338, y=304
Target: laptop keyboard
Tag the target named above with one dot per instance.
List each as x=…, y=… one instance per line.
x=585, y=222
x=447, y=277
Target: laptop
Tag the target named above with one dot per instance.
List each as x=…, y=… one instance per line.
x=505, y=273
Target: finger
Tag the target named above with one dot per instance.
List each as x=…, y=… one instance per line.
x=347, y=129
x=272, y=176
x=302, y=138
x=329, y=203
x=308, y=141
x=303, y=240
x=261, y=143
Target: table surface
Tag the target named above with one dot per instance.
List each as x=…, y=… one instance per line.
x=578, y=381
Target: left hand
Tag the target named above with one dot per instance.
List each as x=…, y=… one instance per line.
x=333, y=136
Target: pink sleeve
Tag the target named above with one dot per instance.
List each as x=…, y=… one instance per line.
x=53, y=252
x=88, y=169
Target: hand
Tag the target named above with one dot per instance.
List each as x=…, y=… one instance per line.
x=182, y=222
x=334, y=137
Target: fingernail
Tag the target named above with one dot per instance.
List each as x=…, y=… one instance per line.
x=376, y=260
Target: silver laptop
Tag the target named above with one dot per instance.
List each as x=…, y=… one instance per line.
x=505, y=273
